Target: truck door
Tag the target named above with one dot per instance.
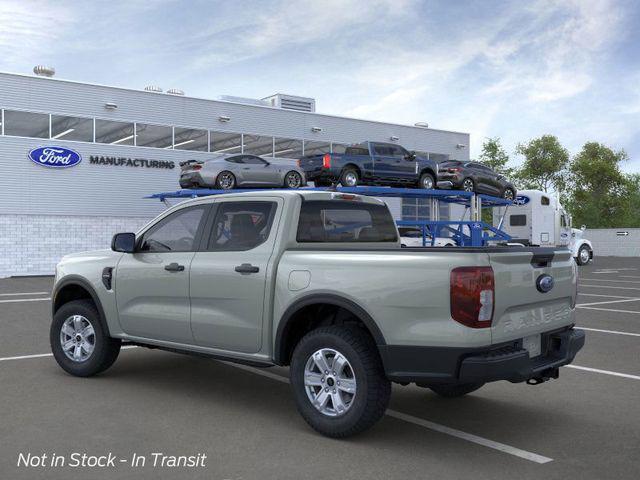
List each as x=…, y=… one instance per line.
x=228, y=276
x=152, y=284
x=391, y=163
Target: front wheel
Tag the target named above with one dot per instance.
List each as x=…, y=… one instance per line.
x=226, y=180
x=293, y=179
x=427, y=181
x=455, y=390
x=338, y=381
x=508, y=194
x=80, y=343
x=584, y=255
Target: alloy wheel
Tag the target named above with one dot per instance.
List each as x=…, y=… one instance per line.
x=467, y=185
x=77, y=338
x=293, y=180
x=226, y=181
x=330, y=382
x=427, y=182
x=350, y=179
x=584, y=255
x=508, y=194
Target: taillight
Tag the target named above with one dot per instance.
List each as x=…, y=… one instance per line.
x=298, y=163
x=472, y=295
x=454, y=170
x=326, y=161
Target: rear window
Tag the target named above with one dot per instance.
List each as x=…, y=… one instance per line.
x=518, y=220
x=345, y=221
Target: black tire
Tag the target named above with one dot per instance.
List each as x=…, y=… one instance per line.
x=373, y=388
x=455, y=390
x=509, y=194
x=424, y=181
x=347, y=175
x=468, y=185
x=221, y=180
x=287, y=183
x=582, y=249
x=105, y=351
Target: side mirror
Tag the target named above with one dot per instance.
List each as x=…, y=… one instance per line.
x=124, y=242
x=583, y=228
x=410, y=156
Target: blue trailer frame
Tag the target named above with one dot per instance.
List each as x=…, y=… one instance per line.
x=479, y=232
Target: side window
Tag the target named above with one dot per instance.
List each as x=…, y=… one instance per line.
x=398, y=151
x=517, y=220
x=175, y=233
x=382, y=150
x=241, y=226
x=253, y=160
x=544, y=201
x=238, y=159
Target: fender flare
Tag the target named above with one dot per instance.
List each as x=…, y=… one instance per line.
x=325, y=298
x=81, y=282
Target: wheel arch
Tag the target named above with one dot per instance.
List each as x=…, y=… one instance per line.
x=354, y=166
x=291, y=321
x=430, y=171
x=73, y=288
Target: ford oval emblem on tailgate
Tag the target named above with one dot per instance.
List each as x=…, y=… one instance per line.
x=544, y=283
x=56, y=157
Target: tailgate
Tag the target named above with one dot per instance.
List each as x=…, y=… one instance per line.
x=521, y=308
x=311, y=163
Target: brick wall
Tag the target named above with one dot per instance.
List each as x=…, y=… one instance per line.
x=612, y=242
x=33, y=244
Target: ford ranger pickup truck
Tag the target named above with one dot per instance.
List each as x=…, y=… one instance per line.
x=371, y=163
x=318, y=281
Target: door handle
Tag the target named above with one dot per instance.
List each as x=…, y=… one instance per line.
x=174, y=267
x=247, y=268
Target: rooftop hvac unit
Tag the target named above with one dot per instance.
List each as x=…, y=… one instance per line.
x=291, y=102
x=43, y=71
x=175, y=91
x=153, y=88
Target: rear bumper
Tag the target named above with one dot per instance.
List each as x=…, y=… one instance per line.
x=320, y=173
x=192, y=179
x=508, y=361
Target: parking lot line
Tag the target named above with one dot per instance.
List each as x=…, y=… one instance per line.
x=617, y=287
x=609, y=280
x=18, y=300
x=517, y=452
x=23, y=293
x=601, y=295
x=608, y=309
x=606, y=372
x=607, y=301
x=609, y=331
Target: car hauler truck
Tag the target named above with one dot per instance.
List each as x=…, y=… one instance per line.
x=537, y=218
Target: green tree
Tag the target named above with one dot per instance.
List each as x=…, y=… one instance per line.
x=545, y=164
x=494, y=156
x=600, y=194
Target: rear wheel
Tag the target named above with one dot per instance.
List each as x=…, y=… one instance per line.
x=349, y=177
x=293, y=179
x=455, y=390
x=338, y=381
x=226, y=180
x=584, y=255
x=80, y=342
x=427, y=181
x=468, y=185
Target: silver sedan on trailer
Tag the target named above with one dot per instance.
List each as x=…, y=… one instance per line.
x=226, y=172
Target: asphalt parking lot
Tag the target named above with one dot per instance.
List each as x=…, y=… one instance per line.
x=584, y=425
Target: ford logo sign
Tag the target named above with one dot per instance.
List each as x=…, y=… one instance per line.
x=55, y=157
x=544, y=283
x=521, y=200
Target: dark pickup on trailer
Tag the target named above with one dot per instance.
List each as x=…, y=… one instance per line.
x=371, y=163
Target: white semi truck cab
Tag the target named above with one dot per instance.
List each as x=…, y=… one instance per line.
x=538, y=219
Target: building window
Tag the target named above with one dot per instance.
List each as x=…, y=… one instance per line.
x=157, y=136
x=257, y=145
x=115, y=133
x=190, y=139
x=26, y=124
x=338, y=148
x=71, y=128
x=225, y=142
x=287, y=148
x=316, y=148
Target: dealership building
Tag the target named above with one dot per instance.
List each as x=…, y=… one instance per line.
x=128, y=143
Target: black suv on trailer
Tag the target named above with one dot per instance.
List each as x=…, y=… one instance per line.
x=474, y=177
x=371, y=163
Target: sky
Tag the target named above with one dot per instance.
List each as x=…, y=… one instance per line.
x=509, y=69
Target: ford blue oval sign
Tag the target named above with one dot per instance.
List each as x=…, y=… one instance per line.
x=544, y=283
x=521, y=200
x=56, y=157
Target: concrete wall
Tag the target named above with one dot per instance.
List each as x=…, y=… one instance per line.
x=611, y=242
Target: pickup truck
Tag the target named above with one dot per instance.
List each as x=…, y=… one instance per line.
x=371, y=163
x=318, y=281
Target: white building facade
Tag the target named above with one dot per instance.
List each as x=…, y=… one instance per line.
x=129, y=144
